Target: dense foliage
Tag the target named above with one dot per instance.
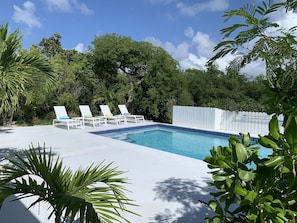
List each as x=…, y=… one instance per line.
x=213, y=88
x=21, y=73
x=250, y=187
x=253, y=188
x=115, y=70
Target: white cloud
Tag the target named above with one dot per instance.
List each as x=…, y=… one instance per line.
x=179, y=52
x=211, y=5
x=189, y=32
x=79, y=47
x=82, y=8
x=154, y=41
x=193, y=62
x=254, y=69
x=61, y=5
x=194, y=9
x=26, y=15
x=68, y=6
x=286, y=20
x=203, y=44
x=223, y=63
x=182, y=53
x=195, y=54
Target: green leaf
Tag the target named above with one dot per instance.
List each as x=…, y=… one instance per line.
x=274, y=161
x=281, y=217
x=253, y=214
x=224, y=163
x=267, y=142
x=269, y=197
x=220, y=178
x=251, y=195
x=241, y=152
x=291, y=130
x=214, y=205
x=274, y=128
x=285, y=170
x=245, y=139
x=246, y=175
x=291, y=202
x=268, y=207
x=216, y=220
x=239, y=190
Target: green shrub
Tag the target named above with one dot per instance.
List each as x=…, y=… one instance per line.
x=251, y=188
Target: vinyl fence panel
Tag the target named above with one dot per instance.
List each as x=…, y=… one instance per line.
x=218, y=119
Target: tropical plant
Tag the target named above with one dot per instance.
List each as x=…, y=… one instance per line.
x=51, y=46
x=142, y=76
x=162, y=87
x=113, y=54
x=231, y=91
x=258, y=38
x=251, y=188
x=19, y=71
x=94, y=194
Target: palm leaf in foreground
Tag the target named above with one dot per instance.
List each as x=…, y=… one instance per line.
x=95, y=194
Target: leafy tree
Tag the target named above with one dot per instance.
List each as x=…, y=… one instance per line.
x=230, y=91
x=115, y=54
x=19, y=70
x=251, y=188
x=94, y=194
x=163, y=87
x=76, y=81
x=138, y=74
x=51, y=46
x=259, y=38
x=113, y=96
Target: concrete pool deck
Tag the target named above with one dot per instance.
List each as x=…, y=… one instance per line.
x=167, y=187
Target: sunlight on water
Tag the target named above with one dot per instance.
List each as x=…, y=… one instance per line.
x=182, y=142
x=190, y=143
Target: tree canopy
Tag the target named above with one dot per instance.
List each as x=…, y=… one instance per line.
x=117, y=70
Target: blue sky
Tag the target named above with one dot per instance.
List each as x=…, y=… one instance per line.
x=188, y=30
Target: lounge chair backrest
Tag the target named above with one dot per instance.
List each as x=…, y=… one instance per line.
x=105, y=110
x=61, y=113
x=123, y=109
x=85, y=111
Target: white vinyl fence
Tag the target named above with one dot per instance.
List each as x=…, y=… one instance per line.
x=218, y=119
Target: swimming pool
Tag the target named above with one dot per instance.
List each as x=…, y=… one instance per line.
x=192, y=143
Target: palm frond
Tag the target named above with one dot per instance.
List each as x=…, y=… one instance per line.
x=95, y=194
x=20, y=70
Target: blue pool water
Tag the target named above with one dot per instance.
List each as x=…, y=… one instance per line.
x=183, y=141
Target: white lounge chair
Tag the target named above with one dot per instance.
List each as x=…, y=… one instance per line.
x=62, y=118
x=126, y=113
x=110, y=117
x=87, y=116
